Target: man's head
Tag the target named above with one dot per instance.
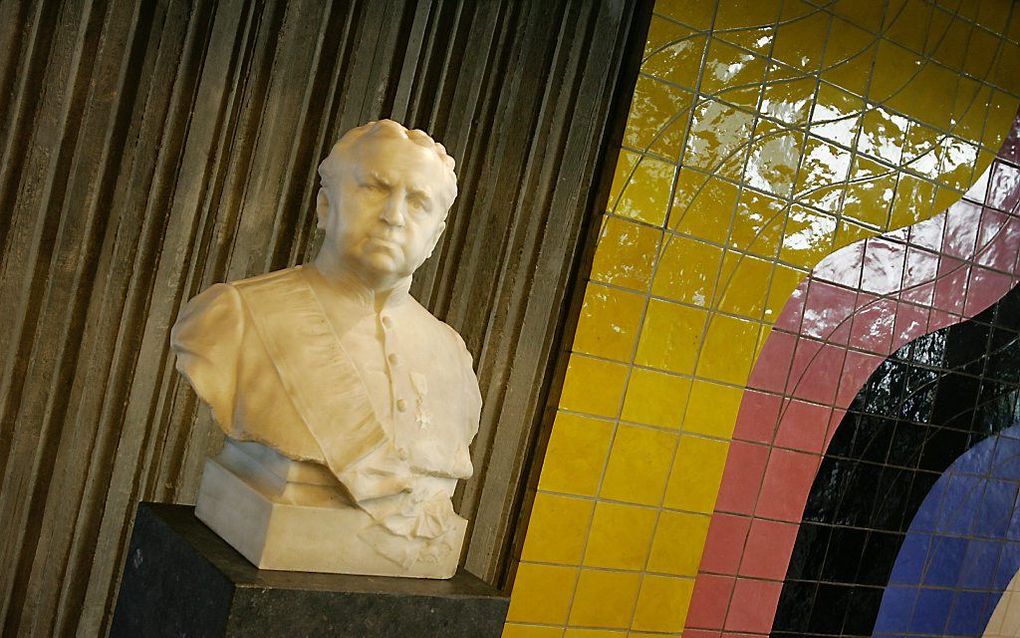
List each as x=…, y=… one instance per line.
x=385, y=194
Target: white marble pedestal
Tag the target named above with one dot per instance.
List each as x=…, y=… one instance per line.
x=286, y=515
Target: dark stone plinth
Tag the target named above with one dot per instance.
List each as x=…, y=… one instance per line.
x=181, y=579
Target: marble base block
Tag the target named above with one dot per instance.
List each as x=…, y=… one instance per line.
x=285, y=515
x=181, y=579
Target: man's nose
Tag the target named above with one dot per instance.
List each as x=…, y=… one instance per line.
x=394, y=212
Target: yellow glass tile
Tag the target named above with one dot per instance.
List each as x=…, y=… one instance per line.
x=511, y=630
x=919, y=150
x=894, y=68
x=733, y=74
x=726, y=355
x=712, y=408
x=604, y=599
x=638, y=466
x=696, y=14
x=662, y=33
x=593, y=386
x=620, y=536
x=947, y=39
x=688, y=271
x=969, y=109
x=912, y=203
x=808, y=237
x=719, y=133
x=670, y=336
x=626, y=161
x=756, y=40
x=849, y=53
x=658, y=118
x=703, y=207
x=697, y=473
x=784, y=281
x=956, y=161
x=609, y=322
x=1006, y=71
x=625, y=253
x=848, y=232
x=909, y=23
x=746, y=13
x=799, y=41
x=789, y=102
x=662, y=603
x=1001, y=111
x=655, y=398
x=758, y=224
x=541, y=594
x=944, y=198
x=1014, y=27
x=678, y=543
x=823, y=170
x=993, y=14
x=980, y=53
x=924, y=97
x=744, y=285
x=868, y=15
x=678, y=62
x=870, y=193
x=772, y=165
x=882, y=135
x=557, y=529
x=575, y=455
x=646, y=194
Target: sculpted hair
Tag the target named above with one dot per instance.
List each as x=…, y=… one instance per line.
x=332, y=166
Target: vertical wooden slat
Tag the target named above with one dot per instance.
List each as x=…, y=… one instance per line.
x=150, y=149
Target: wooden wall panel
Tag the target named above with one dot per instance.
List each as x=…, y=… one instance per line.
x=149, y=149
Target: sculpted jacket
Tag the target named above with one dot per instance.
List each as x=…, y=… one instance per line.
x=378, y=390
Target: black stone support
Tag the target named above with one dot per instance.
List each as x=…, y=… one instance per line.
x=181, y=579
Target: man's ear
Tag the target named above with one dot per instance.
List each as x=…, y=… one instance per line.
x=321, y=209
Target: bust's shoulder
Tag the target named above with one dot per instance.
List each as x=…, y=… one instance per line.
x=259, y=281
x=438, y=330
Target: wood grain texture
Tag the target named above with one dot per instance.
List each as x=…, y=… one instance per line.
x=150, y=149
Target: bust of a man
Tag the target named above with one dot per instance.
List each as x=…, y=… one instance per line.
x=348, y=407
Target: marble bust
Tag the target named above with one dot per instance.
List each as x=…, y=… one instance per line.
x=348, y=407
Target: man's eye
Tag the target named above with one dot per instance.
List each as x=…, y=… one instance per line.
x=373, y=187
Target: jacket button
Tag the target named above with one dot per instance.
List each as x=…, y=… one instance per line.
x=393, y=359
x=387, y=321
x=403, y=454
x=401, y=405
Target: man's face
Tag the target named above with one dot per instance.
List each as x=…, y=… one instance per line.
x=386, y=212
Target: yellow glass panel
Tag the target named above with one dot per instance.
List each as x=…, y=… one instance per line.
x=620, y=536
x=789, y=102
x=969, y=109
x=867, y=15
x=638, y=465
x=848, y=232
x=980, y=53
x=688, y=271
x=661, y=33
x=920, y=150
x=626, y=161
x=604, y=599
x=662, y=604
x=728, y=350
x=924, y=97
x=593, y=386
x=696, y=475
x=799, y=41
x=910, y=20
x=645, y=195
x=869, y=194
x=511, y=630
x=1001, y=111
x=882, y=135
x=894, y=68
x=744, y=285
x=947, y=39
x=625, y=254
x=670, y=336
x=719, y=133
x=658, y=118
x=784, y=281
x=594, y=633
x=678, y=62
x=758, y=225
x=1007, y=66
x=732, y=74
x=712, y=408
x=993, y=14
x=656, y=398
x=772, y=165
x=557, y=529
x=609, y=322
x=956, y=162
x=808, y=236
x=696, y=14
x=703, y=206
x=849, y=54
x=823, y=169
x=913, y=201
x=576, y=455
x=541, y=593
x=746, y=13
x=679, y=539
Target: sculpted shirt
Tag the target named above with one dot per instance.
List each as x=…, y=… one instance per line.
x=374, y=387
